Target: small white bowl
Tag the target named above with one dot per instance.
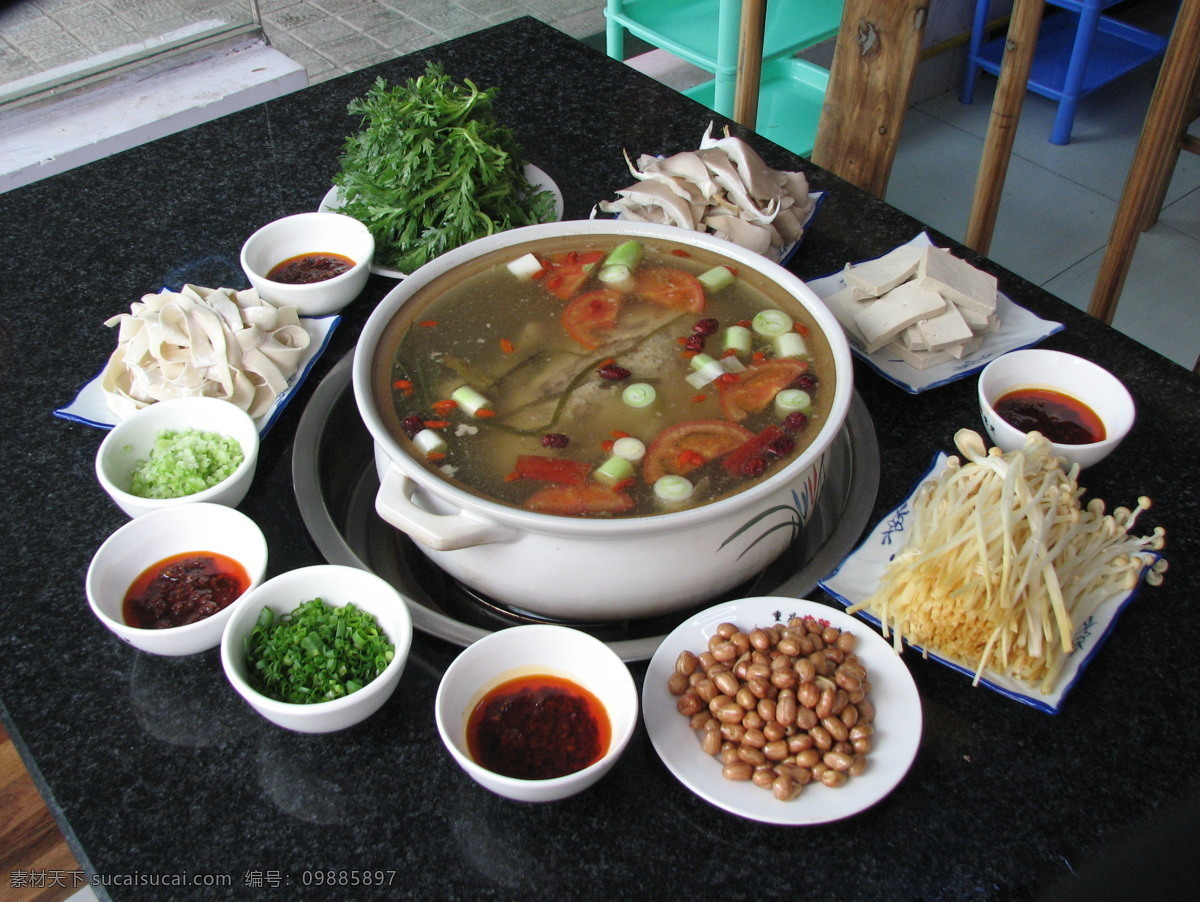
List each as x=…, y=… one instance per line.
x=337, y=586
x=145, y=541
x=131, y=439
x=526, y=650
x=310, y=233
x=1073, y=376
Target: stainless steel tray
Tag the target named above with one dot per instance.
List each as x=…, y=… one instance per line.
x=333, y=475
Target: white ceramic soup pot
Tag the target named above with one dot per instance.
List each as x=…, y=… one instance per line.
x=578, y=568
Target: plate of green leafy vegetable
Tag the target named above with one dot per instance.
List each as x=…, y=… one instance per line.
x=538, y=179
x=431, y=168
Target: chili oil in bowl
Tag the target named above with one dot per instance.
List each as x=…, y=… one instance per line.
x=337, y=587
x=170, y=443
x=315, y=262
x=212, y=556
x=536, y=713
x=1083, y=409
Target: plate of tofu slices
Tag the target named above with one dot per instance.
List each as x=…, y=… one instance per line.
x=922, y=317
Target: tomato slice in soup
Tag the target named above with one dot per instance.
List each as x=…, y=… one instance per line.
x=592, y=315
x=565, y=274
x=752, y=390
x=552, y=469
x=581, y=500
x=687, y=446
x=670, y=287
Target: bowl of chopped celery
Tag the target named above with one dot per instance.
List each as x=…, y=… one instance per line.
x=179, y=451
x=318, y=649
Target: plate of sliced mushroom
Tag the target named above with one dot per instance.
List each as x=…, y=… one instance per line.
x=723, y=188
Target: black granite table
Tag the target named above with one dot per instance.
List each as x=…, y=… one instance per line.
x=155, y=769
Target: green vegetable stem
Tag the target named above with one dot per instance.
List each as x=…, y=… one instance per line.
x=432, y=169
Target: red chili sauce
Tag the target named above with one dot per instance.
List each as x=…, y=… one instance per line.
x=1061, y=418
x=184, y=588
x=538, y=727
x=306, y=268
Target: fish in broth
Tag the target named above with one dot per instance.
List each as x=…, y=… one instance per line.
x=591, y=376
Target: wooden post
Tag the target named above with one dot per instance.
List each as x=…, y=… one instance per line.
x=1164, y=128
x=874, y=62
x=749, y=66
x=1002, y=128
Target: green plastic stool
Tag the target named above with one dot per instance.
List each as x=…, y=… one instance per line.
x=705, y=33
x=789, y=102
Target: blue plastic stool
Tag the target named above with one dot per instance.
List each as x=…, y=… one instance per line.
x=1078, y=51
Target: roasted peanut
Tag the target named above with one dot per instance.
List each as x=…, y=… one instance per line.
x=686, y=663
x=737, y=770
x=781, y=705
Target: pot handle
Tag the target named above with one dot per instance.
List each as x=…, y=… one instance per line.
x=442, y=532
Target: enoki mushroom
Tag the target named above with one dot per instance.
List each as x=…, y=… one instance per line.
x=1003, y=564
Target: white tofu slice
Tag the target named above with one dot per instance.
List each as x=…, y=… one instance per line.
x=846, y=304
x=913, y=339
x=900, y=308
x=945, y=329
x=918, y=360
x=960, y=351
x=957, y=280
x=877, y=277
x=978, y=321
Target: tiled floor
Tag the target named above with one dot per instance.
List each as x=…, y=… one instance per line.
x=327, y=37
x=1058, y=203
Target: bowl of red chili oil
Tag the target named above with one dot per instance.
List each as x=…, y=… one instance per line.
x=1083, y=409
x=536, y=713
x=315, y=262
x=167, y=582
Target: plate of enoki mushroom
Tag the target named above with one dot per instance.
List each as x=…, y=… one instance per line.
x=782, y=710
x=995, y=567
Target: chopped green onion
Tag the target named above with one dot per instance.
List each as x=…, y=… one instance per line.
x=732, y=364
x=317, y=653
x=792, y=399
x=790, y=344
x=706, y=373
x=771, y=323
x=738, y=339
x=639, y=394
x=469, y=400
x=429, y=442
x=615, y=469
x=672, y=489
x=621, y=261
x=700, y=361
x=525, y=267
x=716, y=278
x=630, y=448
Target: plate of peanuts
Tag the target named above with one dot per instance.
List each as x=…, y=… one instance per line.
x=782, y=710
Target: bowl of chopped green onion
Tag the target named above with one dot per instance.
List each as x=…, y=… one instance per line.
x=179, y=451
x=318, y=649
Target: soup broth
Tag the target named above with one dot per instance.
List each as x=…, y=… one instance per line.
x=540, y=377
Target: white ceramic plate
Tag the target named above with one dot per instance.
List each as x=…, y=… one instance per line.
x=91, y=408
x=857, y=577
x=1019, y=328
x=897, y=720
x=539, y=179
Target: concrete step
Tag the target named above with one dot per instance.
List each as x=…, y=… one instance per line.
x=57, y=133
